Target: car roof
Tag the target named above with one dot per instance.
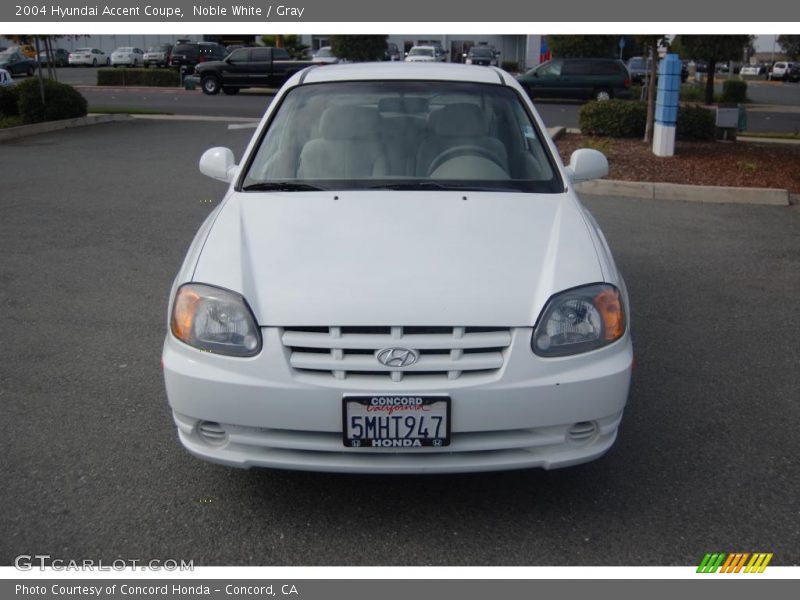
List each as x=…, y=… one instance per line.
x=403, y=70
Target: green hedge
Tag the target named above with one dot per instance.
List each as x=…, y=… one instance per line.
x=613, y=118
x=625, y=118
x=62, y=101
x=695, y=123
x=734, y=90
x=139, y=77
x=8, y=102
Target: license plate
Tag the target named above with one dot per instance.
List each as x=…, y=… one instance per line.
x=396, y=421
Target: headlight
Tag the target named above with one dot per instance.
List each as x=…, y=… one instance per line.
x=215, y=320
x=579, y=320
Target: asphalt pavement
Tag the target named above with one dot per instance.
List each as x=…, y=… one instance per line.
x=95, y=222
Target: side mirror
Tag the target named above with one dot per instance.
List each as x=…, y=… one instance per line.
x=586, y=164
x=218, y=163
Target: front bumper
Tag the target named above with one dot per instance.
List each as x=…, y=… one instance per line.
x=525, y=415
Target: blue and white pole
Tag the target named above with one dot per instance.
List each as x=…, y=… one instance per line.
x=669, y=87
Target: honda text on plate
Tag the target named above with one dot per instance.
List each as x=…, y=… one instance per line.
x=400, y=279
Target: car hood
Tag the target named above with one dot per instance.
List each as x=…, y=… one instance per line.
x=398, y=258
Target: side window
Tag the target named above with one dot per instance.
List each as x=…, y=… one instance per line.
x=280, y=54
x=259, y=55
x=239, y=55
x=577, y=67
x=550, y=69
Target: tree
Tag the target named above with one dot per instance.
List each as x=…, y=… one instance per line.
x=291, y=43
x=650, y=44
x=571, y=46
x=790, y=44
x=359, y=48
x=713, y=49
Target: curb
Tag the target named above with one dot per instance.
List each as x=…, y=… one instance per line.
x=556, y=133
x=685, y=193
x=13, y=133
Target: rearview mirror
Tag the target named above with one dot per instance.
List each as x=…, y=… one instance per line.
x=586, y=164
x=218, y=163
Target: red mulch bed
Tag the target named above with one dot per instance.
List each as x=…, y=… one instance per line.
x=743, y=164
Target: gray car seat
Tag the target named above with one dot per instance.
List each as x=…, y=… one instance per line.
x=455, y=125
x=348, y=146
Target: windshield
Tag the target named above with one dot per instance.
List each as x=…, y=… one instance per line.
x=157, y=48
x=83, y=50
x=324, y=53
x=421, y=52
x=482, y=52
x=402, y=135
x=124, y=50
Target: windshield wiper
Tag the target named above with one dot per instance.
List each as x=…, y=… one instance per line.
x=281, y=186
x=431, y=185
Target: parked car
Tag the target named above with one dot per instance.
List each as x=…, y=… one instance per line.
x=16, y=63
x=91, y=57
x=5, y=78
x=127, y=56
x=481, y=55
x=325, y=56
x=248, y=67
x=752, y=70
x=595, y=78
x=60, y=57
x=400, y=279
x=781, y=70
x=639, y=68
x=794, y=73
x=423, y=54
x=157, y=56
x=189, y=54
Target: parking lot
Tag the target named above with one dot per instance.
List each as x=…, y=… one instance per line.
x=95, y=223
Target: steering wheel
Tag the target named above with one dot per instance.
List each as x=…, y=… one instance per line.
x=457, y=151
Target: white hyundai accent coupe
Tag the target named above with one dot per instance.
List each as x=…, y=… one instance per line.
x=400, y=279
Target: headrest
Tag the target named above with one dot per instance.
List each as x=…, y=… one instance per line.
x=403, y=105
x=459, y=120
x=349, y=123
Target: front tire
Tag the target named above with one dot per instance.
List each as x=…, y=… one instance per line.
x=210, y=85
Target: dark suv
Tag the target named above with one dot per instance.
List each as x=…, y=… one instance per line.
x=189, y=54
x=595, y=78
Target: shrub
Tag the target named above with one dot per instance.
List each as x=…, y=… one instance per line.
x=62, y=101
x=734, y=90
x=613, y=118
x=510, y=66
x=695, y=123
x=142, y=77
x=623, y=118
x=8, y=102
x=9, y=122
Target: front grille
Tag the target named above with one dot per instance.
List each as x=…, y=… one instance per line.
x=446, y=352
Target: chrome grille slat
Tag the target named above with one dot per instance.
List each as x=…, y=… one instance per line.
x=417, y=341
x=444, y=352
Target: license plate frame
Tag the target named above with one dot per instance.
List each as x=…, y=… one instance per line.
x=389, y=413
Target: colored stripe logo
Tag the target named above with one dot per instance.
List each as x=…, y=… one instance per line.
x=735, y=562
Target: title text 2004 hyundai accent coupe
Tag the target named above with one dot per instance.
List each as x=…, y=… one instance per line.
x=400, y=279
